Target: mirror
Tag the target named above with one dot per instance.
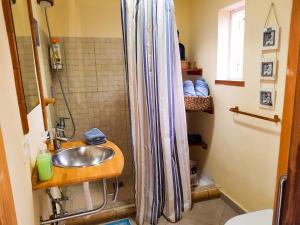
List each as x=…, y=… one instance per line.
x=24, y=44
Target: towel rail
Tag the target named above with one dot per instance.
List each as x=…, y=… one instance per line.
x=275, y=119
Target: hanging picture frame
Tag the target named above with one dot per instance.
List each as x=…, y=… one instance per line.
x=267, y=98
x=270, y=38
x=268, y=69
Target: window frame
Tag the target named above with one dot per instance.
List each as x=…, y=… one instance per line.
x=229, y=11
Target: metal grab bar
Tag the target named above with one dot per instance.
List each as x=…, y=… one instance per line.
x=276, y=118
x=282, y=181
x=80, y=214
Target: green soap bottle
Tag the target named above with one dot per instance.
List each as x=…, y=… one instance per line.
x=44, y=166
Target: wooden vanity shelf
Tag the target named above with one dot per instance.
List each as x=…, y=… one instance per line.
x=199, y=104
x=196, y=71
x=72, y=175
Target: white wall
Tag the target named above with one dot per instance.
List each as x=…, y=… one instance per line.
x=80, y=18
x=182, y=10
x=98, y=18
x=243, y=151
x=19, y=162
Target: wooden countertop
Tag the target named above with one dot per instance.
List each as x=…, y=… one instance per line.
x=68, y=176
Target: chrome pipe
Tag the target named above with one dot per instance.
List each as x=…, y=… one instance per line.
x=116, y=190
x=80, y=214
x=56, y=201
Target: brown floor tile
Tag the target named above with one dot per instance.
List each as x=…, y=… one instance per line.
x=227, y=214
x=211, y=212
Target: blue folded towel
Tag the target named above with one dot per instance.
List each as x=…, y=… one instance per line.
x=94, y=136
x=96, y=142
x=188, y=88
x=96, y=139
x=201, y=87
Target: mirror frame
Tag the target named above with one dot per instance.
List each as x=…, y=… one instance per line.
x=8, y=18
x=15, y=62
x=37, y=63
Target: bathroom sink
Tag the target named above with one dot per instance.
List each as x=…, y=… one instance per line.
x=82, y=156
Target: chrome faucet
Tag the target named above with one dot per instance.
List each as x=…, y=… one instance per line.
x=59, y=134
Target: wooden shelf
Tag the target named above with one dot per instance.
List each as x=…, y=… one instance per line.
x=196, y=71
x=196, y=140
x=210, y=111
x=202, y=145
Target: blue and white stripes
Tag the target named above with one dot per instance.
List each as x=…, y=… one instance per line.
x=158, y=123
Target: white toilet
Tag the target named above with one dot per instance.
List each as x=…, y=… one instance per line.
x=263, y=217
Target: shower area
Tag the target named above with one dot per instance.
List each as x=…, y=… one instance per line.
x=93, y=82
x=91, y=91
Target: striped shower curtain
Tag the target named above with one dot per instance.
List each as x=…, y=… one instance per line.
x=158, y=120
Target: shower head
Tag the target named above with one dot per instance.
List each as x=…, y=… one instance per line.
x=45, y=3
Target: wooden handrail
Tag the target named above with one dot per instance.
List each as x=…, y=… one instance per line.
x=276, y=118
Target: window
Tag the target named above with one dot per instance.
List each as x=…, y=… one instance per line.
x=231, y=31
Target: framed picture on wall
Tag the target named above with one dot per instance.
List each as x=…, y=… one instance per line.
x=268, y=69
x=267, y=98
x=271, y=38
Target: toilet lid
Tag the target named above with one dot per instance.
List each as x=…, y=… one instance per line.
x=263, y=217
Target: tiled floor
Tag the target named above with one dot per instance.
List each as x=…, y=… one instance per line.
x=211, y=212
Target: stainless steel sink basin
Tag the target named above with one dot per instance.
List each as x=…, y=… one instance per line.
x=82, y=156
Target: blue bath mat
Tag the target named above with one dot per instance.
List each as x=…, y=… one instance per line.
x=120, y=222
